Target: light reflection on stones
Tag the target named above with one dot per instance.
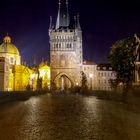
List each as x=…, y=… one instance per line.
x=68, y=117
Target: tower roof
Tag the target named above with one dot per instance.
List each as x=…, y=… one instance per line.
x=63, y=15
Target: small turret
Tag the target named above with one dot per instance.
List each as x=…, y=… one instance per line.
x=78, y=23
x=50, y=26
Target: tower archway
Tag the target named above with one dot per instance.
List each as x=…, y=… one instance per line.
x=63, y=81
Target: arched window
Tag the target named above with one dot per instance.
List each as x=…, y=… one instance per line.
x=56, y=46
x=67, y=45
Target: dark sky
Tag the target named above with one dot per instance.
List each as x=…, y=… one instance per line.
x=103, y=22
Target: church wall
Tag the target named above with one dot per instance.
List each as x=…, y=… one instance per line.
x=12, y=58
x=21, y=76
x=4, y=74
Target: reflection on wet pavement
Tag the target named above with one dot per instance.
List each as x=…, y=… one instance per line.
x=68, y=117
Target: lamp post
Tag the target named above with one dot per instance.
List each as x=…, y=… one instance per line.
x=90, y=76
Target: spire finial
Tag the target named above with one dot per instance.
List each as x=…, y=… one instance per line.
x=75, y=23
x=42, y=60
x=67, y=12
x=50, y=22
x=67, y=2
x=63, y=16
x=78, y=22
x=34, y=60
x=59, y=3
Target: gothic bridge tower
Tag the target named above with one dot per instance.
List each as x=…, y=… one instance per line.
x=66, y=54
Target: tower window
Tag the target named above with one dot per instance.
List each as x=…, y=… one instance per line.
x=68, y=45
x=56, y=46
x=59, y=45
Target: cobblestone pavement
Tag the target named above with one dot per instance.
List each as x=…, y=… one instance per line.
x=68, y=117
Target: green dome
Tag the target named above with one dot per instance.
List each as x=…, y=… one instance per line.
x=8, y=47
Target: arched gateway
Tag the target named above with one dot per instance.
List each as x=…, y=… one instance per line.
x=63, y=81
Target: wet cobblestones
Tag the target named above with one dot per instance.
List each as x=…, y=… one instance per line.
x=68, y=117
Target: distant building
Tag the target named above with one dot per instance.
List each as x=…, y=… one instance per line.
x=98, y=75
x=89, y=68
x=103, y=77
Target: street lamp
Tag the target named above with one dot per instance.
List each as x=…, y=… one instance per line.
x=90, y=76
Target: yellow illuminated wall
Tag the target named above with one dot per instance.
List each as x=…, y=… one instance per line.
x=44, y=74
x=21, y=77
x=33, y=78
x=17, y=77
x=11, y=80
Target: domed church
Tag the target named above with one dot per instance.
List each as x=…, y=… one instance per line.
x=10, y=51
x=17, y=77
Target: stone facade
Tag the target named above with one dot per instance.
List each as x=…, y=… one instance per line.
x=66, y=56
x=65, y=50
x=4, y=73
x=98, y=75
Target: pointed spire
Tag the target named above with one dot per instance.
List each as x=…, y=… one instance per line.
x=42, y=61
x=67, y=6
x=67, y=3
x=24, y=63
x=58, y=16
x=59, y=4
x=34, y=60
x=75, y=22
x=63, y=16
x=78, y=23
x=50, y=22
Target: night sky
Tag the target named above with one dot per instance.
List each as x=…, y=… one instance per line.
x=103, y=22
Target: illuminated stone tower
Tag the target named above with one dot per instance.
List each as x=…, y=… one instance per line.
x=65, y=49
